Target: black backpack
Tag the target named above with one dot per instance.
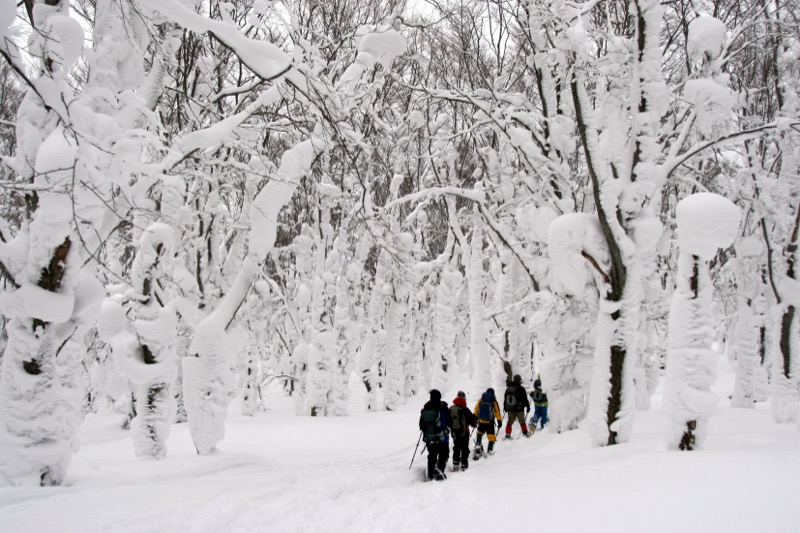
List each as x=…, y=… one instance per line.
x=433, y=428
x=538, y=396
x=512, y=401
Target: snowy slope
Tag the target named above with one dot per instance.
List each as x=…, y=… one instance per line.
x=278, y=472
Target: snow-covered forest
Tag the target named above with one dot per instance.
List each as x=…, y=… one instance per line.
x=203, y=201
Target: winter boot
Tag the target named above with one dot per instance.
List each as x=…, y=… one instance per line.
x=456, y=466
x=438, y=475
x=490, y=451
x=508, y=431
x=525, y=430
x=476, y=455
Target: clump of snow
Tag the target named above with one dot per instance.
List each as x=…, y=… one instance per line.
x=712, y=102
x=33, y=301
x=381, y=47
x=112, y=320
x=56, y=154
x=706, y=222
x=295, y=163
x=568, y=236
x=416, y=119
x=577, y=40
x=397, y=181
x=706, y=38
x=64, y=40
x=88, y=298
x=537, y=220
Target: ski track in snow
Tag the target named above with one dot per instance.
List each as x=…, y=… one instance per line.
x=278, y=472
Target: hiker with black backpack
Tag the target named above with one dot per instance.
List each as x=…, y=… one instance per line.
x=487, y=412
x=516, y=406
x=435, y=423
x=539, y=405
x=463, y=418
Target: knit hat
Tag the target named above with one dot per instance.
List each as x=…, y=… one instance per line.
x=537, y=383
x=491, y=390
x=517, y=379
x=461, y=394
x=436, y=395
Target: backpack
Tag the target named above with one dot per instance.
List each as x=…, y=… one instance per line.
x=433, y=429
x=485, y=410
x=538, y=396
x=459, y=419
x=512, y=402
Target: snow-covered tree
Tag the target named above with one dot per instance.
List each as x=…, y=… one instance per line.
x=706, y=222
x=143, y=341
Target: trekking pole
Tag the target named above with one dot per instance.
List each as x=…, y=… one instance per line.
x=415, y=450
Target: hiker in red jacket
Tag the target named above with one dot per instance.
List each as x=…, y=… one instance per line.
x=463, y=418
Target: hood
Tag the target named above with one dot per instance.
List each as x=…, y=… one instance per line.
x=460, y=401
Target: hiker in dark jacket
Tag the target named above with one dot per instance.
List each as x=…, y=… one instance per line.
x=539, y=405
x=516, y=405
x=487, y=412
x=435, y=423
x=463, y=418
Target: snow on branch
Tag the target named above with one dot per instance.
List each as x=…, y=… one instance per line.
x=472, y=195
x=478, y=197
x=673, y=163
x=266, y=60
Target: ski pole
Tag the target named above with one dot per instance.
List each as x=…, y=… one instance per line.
x=415, y=450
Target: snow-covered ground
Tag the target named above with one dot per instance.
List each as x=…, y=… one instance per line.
x=278, y=472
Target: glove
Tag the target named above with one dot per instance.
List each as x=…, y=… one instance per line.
x=499, y=424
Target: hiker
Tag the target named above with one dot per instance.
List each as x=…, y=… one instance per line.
x=487, y=412
x=539, y=405
x=516, y=405
x=463, y=418
x=435, y=423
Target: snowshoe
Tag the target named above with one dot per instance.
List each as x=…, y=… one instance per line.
x=478, y=453
x=438, y=475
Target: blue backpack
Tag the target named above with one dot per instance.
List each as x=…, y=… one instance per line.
x=486, y=410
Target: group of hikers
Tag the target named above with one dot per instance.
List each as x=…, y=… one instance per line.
x=438, y=422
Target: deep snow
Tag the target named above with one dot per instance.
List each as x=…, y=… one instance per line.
x=279, y=472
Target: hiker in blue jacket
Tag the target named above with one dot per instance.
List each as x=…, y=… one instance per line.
x=435, y=423
x=539, y=405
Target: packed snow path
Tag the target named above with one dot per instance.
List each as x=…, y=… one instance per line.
x=278, y=472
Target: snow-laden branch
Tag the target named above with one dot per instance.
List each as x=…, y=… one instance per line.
x=472, y=195
x=266, y=60
x=674, y=162
x=217, y=133
x=44, y=87
x=477, y=197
